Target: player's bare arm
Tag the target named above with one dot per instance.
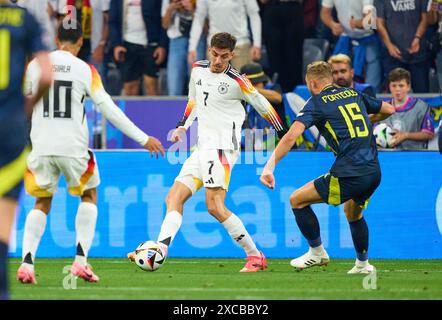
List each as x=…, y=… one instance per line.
x=42, y=58
x=386, y=110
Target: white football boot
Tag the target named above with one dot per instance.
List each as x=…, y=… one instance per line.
x=361, y=267
x=310, y=260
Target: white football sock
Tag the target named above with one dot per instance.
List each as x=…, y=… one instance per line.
x=34, y=228
x=171, y=225
x=317, y=251
x=85, y=229
x=361, y=264
x=238, y=232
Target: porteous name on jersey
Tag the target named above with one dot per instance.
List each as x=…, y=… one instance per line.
x=340, y=95
x=61, y=68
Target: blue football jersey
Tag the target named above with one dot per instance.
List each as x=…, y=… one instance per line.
x=341, y=116
x=20, y=37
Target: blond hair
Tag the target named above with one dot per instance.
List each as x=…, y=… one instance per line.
x=319, y=70
x=340, y=58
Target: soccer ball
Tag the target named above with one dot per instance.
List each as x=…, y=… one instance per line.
x=384, y=135
x=150, y=255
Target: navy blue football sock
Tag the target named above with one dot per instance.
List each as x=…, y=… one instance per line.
x=309, y=225
x=3, y=275
x=359, y=233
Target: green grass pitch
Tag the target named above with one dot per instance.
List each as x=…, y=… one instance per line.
x=220, y=279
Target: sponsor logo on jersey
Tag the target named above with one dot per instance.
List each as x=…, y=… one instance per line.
x=199, y=83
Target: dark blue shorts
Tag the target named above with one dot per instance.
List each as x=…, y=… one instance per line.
x=13, y=155
x=12, y=169
x=334, y=190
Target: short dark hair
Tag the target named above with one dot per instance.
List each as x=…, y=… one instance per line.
x=71, y=33
x=223, y=40
x=399, y=74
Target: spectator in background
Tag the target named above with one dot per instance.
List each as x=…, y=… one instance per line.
x=271, y=91
x=283, y=33
x=80, y=10
x=229, y=16
x=42, y=10
x=177, y=17
x=311, y=10
x=412, y=120
x=402, y=25
x=356, y=37
x=435, y=16
x=343, y=74
x=94, y=17
x=139, y=43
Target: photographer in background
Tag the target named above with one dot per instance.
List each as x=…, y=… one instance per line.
x=177, y=17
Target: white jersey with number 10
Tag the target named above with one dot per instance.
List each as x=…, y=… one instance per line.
x=59, y=124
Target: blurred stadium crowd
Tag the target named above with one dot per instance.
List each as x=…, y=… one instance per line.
x=147, y=47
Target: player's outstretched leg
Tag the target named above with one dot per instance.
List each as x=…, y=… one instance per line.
x=359, y=234
x=177, y=196
x=256, y=260
x=309, y=226
x=85, y=222
x=35, y=225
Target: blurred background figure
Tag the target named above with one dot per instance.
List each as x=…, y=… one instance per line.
x=435, y=17
x=232, y=17
x=357, y=38
x=412, y=121
x=20, y=37
x=44, y=12
x=177, y=17
x=401, y=26
x=343, y=74
x=271, y=91
x=283, y=31
x=94, y=17
x=139, y=43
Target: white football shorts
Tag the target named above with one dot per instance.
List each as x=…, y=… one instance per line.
x=208, y=168
x=43, y=173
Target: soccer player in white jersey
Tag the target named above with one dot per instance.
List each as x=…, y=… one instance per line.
x=59, y=139
x=215, y=94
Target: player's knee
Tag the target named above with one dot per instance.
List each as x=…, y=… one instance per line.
x=352, y=216
x=213, y=210
x=171, y=200
x=174, y=200
x=43, y=204
x=295, y=201
x=90, y=196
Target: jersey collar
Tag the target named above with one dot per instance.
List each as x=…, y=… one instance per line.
x=409, y=104
x=330, y=86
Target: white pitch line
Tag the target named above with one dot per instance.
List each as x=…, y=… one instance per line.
x=233, y=290
x=238, y=260
x=219, y=262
